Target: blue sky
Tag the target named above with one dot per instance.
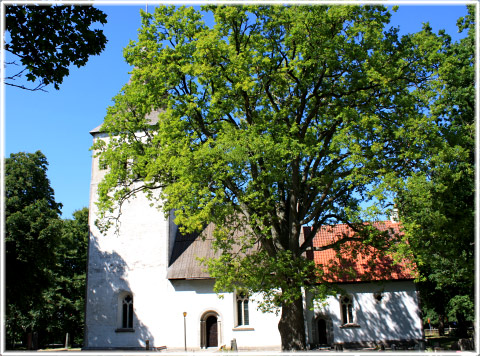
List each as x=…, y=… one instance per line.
x=58, y=122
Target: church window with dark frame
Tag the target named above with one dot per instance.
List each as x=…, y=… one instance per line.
x=346, y=303
x=127, y=312
x=243, y=318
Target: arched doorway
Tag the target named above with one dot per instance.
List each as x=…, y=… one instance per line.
x=210, y=330
x=322, y=331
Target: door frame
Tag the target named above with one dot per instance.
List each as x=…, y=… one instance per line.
x=203, y=328
x=328, y=327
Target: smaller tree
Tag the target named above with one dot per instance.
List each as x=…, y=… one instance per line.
x=65, y=300
x=32, y=232
x=46, y=257
x=437, y=204
x=48, y=39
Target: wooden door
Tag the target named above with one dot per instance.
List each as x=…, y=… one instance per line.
x=322, y=331
x=212, y=333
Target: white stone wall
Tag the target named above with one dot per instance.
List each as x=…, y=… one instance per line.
x=135, y=261
x=196, y=297
x=395, y=317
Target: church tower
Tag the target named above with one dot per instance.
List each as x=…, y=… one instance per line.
x=127, y=268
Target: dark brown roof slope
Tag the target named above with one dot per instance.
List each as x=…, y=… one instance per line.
x=184, y=263
x=187, y=249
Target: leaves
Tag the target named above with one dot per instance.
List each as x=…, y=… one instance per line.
x=285, y=115
x=437, y=203
x=48, y=39
x=273, y=118
x=66, y=298
x=31, y=234
x=45, y=256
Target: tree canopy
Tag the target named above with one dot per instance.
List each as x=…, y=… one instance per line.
x=32, y=230
x=45, y=257
x=65, y=300
x=48, y=39
x=437, y=204
x=273, y=118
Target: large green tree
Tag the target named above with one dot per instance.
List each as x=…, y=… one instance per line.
x=272, y=118
x=32, y=232
x=47, y=39
x=45, y=257
x=437, y=204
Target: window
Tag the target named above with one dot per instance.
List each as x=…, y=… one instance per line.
x=127, y=312
x=242, y=309
x=346, y=303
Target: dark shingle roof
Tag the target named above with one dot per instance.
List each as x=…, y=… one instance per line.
x=184, y=263
x=187, y=248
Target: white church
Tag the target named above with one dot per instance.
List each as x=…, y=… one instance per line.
x=146, y=290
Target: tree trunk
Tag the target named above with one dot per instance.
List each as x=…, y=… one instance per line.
x=292, y=327
x=29, y=341
x=462, y=329
x=441, y=325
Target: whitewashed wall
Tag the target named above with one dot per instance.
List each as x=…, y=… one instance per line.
x=196, y=297
x=395, y=317
x=136, y=261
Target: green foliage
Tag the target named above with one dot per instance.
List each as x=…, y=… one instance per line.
x=437, y=204
x=45, y=256
x=272, y=277
x=461, y=305
x=429, y=314
x=32, y=232
x=274, y=118
x=65, y=301
x=48, y=39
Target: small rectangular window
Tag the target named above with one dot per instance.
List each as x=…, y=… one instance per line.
x=130, y=316
x=127, y=312
x=124, y=316
x=239, y=313
x=344, y=314
x=245, y=312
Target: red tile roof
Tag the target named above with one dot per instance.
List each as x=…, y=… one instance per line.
x=356, y=261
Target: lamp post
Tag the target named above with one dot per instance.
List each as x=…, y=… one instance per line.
x=185, y=329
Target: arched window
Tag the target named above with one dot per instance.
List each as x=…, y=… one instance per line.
x=346, y=303
x=242, y=309
x=127, y=312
